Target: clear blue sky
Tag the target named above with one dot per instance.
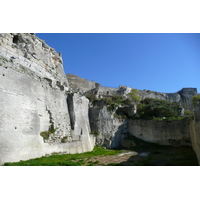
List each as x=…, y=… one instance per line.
x=158, y=62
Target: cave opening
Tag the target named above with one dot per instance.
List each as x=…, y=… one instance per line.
x=16, y=39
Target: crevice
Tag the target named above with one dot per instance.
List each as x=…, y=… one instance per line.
x=15, y=39
x=49, y=81
x=50, y=116
x=70, y=106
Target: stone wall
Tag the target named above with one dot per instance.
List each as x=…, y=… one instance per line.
x=176, y=132
x=195, y=132
x=33, y=97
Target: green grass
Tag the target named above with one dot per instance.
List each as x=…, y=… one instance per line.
x=67, y=159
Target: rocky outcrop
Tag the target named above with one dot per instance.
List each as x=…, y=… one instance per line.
x=184, y=96
x=34, y=111
x=86, y=87
x=108, y=128
x=80, y=85
x=43, y=111
x=115, y=133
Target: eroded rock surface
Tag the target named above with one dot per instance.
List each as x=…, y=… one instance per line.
x=43, y=111
x=109, y=128
x=34, y=111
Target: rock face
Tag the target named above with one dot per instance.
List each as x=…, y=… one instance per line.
x=109, y=128
x=43, y=111
x=34, y=95
x=176, y=132
x=85, y=87
x=183, y=96
x=195, y=132
x=81, y=85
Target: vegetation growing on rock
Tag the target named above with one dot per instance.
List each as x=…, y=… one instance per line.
x=46, y=134
x=195, y=100
x=160, y=109
x=134, y=96
x=95, y=133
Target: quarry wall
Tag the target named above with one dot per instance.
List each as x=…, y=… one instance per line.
x=175, y=132
x=33, y=98
x=195, y=132
x=44, y=111
x=109, y=128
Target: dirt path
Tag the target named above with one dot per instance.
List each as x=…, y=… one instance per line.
x=117, y=159
x=165, y=156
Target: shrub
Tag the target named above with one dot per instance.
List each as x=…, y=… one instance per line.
x=45, y=135
x=91, y=97
x=51, y=128
x=134, y=96
x=64, y=139
x=188, y=114
x=155, y=108
x=120, y=116
x=111, y=107
x=117, y=99
x=95, y=133
x=195, y=100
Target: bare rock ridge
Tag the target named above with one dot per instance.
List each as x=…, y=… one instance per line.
x=85, y=87
x=42, y=110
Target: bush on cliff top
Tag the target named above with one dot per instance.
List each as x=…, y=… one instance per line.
x=195, y=100
x=157, y=109
x=134, y=96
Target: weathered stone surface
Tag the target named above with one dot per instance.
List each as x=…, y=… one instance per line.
x=36, y=96
x=183, y=96
x=33, y=97
x=195, y=132
x=84, y=86
x=186, y=97
x=176, y=132
x=78, y=84
x=110, y=129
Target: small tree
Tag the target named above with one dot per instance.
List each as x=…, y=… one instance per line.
x=195, y=100
x=134, y=95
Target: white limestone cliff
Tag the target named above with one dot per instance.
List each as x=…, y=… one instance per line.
x=43, y=111
x=33, y=99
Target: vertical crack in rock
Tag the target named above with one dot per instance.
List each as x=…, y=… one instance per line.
x=70, y=105
x=50, y=116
